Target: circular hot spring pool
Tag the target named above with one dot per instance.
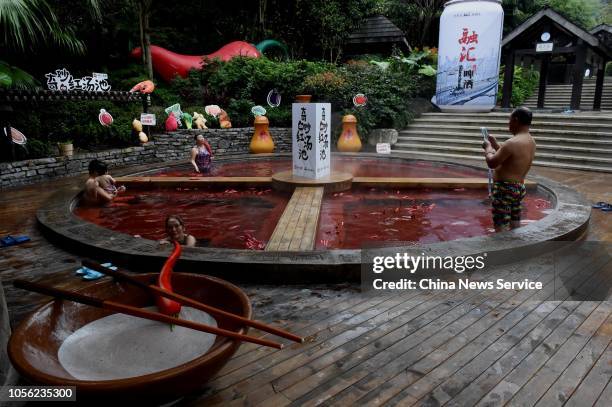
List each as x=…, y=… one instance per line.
x=244, y=218
x=234, y=223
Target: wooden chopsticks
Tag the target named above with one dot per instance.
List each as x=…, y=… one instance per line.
x=137, y=312
x=191, y=302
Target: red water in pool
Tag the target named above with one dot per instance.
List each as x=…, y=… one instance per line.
x=246, y=217
x=219, y=218
x=349, y=219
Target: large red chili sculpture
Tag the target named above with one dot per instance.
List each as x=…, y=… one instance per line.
x=168, y=64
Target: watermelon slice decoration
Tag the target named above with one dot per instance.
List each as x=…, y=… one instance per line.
x=105, y=118
x=18, y=137
x=360, y=100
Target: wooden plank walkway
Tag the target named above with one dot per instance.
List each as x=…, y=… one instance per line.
x=404, y=348
x=191, y=182
x=296, y=230
x=395, y=182
x=436, y=183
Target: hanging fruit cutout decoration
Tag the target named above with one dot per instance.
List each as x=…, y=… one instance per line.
x=105, y=118
x=274, y=98
x=360, y=100
x=17, y=137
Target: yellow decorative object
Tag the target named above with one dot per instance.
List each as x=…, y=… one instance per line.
x=137, y=125
x=349, y=141
x=262, y=141
x=199, y=120
x=143, y=137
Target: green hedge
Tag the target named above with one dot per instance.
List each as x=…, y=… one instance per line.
x=237, y=86
x=46, y=124
x=525, y=83
x=242, y=83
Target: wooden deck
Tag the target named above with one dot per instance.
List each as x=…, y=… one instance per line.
x=406, y=348
x=435, y=183
x=191, y=182
x=395, y=182
x=296, y=230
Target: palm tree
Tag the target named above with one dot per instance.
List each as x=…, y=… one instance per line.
x=31, y=22
x=25, y=24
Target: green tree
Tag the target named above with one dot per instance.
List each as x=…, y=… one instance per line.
x=28, y=23
x=585, y=13
x=414, y=17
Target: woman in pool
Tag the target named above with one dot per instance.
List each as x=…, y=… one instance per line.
x=175, y=229
x=201, y=155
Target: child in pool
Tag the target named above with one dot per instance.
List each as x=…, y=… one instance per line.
x=94, y=194
x=511, y=161
x=175, y=229
x=107, y=182
x=201, y=155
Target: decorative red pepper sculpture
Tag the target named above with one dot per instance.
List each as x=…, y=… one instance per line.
x=168, y=64
x=165, y=305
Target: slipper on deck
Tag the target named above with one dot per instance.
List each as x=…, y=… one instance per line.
x=13, y=240
x=89, y=274
x=600, y=205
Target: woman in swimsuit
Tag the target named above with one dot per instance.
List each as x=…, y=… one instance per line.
x=175, y=229
x=201, y=155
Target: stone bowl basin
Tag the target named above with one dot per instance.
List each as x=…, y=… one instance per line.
x=34, y=345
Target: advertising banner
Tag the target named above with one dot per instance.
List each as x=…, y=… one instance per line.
x=469, y=55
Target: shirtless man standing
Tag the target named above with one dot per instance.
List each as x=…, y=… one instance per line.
x=511, y=161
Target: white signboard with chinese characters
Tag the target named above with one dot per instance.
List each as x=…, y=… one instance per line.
x=61, y=79
x=383, y=148
x=469, y=55
x=544, y=47
x=147, y=119
x=311, y=140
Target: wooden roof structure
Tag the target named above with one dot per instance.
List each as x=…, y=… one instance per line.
x=604, y=33
x=378, y=30
x=565, y=38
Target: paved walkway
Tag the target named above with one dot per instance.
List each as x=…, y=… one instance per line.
x=416, y=347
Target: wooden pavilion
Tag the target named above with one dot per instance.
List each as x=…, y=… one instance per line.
x=547, y=36
x=604, y=33
x=376, y=35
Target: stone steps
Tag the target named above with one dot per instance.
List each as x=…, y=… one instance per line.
x=424, y=143
x=580, y=132
x=576, y=141
x=559, y=96
x=542, y=141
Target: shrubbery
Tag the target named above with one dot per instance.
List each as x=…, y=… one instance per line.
x=46, y=124
x=525, y=83
x=242, y=83
x=237, y=86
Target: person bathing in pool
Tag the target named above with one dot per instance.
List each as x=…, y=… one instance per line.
x=175, y=231
x=511, y=161
x=201, y=155
x=95, y=194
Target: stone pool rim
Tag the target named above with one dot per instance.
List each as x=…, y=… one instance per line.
x=567, y=221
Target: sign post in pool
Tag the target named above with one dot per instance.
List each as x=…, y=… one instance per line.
x=311, y=140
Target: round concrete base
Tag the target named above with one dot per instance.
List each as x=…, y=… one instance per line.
x=336, y=182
